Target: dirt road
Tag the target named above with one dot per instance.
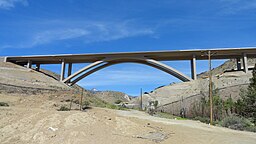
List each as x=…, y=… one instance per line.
x=104, y=126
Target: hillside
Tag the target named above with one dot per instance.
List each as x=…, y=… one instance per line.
x=172, y=98
x=18, y=80
x=227, y=66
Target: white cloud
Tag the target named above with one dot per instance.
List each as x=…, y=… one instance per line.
x=55, y=35
x=87, y=31
x=235, y=6
x=8, y=4
x=113, y=31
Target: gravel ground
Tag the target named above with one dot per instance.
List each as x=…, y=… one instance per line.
x=27, y=120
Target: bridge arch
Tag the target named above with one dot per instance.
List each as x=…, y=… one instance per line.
x=98, y=65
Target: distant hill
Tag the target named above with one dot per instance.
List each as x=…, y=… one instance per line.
x=172, y=98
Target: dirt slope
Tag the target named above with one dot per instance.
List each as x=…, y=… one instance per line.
x=11, y=74
x=15, y=79
x=24, y=123
x=173, y=98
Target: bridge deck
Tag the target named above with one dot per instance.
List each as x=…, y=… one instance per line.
x=227, y=53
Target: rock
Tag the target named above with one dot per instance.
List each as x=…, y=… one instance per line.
x=52, y=129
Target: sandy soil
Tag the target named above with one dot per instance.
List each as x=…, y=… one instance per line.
x=27, y=122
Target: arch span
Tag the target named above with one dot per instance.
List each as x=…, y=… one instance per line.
x=98, y=65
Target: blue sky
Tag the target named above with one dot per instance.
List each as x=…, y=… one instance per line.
x=29, y=27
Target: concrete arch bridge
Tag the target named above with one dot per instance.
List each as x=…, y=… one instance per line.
x=153, y=59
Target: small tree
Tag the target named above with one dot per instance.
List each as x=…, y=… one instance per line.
x=247, y=105
x=239, y=106
x=217, y=103
x=250, y=97
x=155, y=103
x=228, y=105
x=217, y=107
x=204, y=106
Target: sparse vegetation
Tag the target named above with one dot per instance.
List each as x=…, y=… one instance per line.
x=4, y=104
x=152, y=107
x=246, y=106
x=239, y=115
x=118, y=101
x=168, y=116
x=237, y=123
x=202, y=119
x=64, y=108
x=86, y=103
x=111, y=106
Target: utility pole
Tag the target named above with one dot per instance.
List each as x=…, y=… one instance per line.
x=141, y=108
x=210, y=87
x=209, y=54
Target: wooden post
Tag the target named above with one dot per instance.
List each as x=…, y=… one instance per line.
x=141, y=107
x=81, y=100
x=210, y=87
x=71, y=104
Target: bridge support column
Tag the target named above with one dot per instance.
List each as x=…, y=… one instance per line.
x=37, y=67
x=69, y=70
x=62, y=74
x=5, y=59
x=29, y=64
x=193, y=67
x=238, y=63
x=245, y=63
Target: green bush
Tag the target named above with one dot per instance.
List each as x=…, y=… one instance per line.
x=118, y=101
x=111, y=106
x=202, y=119
x=168, y=116
x=236, y=123
x=4, y=104
x=86, y=103
x=64, y=108
x=247, y=105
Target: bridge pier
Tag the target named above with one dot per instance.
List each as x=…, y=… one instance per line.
x=245, y=64
x=37, y=67
x=62, y=73
x=193, y=67
x=69, y=70
x=238, y=63
x=29, y=64
x=5, y=59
